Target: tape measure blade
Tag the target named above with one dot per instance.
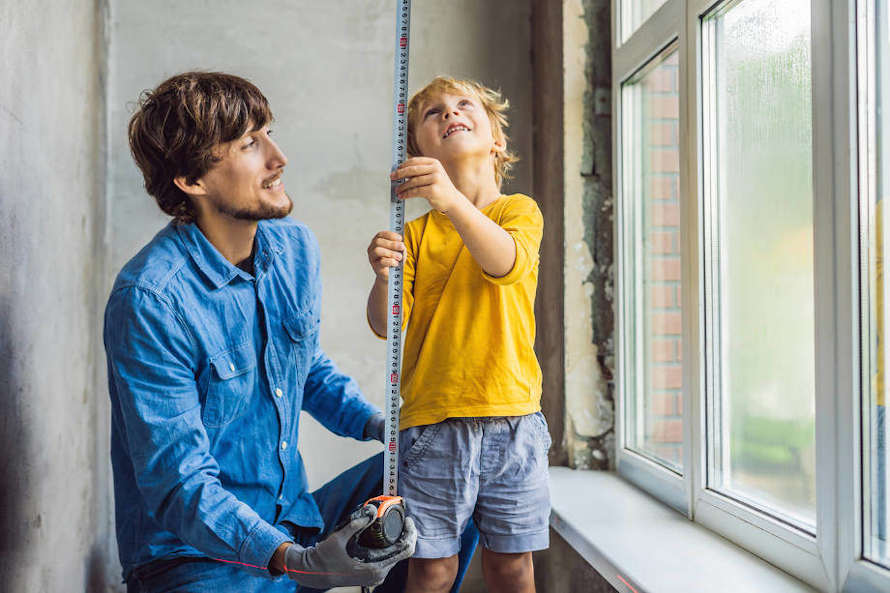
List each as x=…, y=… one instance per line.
x=397, y=224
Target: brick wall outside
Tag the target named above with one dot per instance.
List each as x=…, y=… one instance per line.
x=661, y=284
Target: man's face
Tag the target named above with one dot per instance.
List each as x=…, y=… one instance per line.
x=246, y=184
x=454, y=127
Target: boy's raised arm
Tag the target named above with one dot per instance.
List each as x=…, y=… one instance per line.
x=490, y=245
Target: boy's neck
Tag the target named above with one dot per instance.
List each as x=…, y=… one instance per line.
x=475, y=180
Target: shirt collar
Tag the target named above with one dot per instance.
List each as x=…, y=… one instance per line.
x=218, y=270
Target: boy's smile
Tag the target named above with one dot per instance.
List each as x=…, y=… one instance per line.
x=454, y=127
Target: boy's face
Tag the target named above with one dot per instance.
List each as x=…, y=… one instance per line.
x=455, y=127
x=246, y=184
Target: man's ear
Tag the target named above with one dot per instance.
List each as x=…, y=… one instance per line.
x=195, y=189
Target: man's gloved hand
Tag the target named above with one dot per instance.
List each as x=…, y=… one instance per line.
x=327, y=564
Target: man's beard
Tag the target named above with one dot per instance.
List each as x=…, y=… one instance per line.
x=261, y=212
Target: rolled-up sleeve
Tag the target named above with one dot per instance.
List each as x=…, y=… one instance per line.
x=525, y=224
x=152, y=372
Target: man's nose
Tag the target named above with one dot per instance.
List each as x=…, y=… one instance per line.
x=277, y=159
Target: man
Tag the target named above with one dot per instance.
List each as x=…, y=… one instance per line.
x=211, y=334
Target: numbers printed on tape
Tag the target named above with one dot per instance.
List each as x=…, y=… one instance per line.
x=397, y=223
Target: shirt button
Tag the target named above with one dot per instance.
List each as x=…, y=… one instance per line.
x=279, y=393
x=283, y=445
x=231, y=367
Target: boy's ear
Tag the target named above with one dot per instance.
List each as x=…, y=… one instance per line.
x=500, y=145
x=190, y=189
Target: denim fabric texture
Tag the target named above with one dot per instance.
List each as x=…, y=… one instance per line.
x=336, y=500
x=208, y=370
x=492, y=471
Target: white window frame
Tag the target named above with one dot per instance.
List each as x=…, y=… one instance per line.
x=832, y=558
x=662, y=30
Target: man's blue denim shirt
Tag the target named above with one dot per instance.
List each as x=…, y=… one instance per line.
x=208, y=369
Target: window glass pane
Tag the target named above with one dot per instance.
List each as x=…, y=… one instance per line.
x=761, y=434
x=876, y=433
x=635, y=12
x=652, y=228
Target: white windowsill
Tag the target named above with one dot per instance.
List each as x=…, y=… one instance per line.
x=623, y=533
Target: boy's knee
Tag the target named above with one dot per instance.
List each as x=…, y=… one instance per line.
x=436, y=574
x=512, y=569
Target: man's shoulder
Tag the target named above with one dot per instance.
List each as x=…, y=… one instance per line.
x=155, y=264
x=288, y=233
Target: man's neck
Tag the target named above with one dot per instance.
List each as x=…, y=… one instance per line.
x=232, y=237
x=475, y=180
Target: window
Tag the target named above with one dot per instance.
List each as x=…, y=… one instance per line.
x=875, y=425
x=654, y=421
x=751, y=168
x=634, y=12
x=759, y=261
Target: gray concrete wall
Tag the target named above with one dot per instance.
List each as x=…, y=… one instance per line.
x=327, y=70
x=53, y=474
x=74, y=212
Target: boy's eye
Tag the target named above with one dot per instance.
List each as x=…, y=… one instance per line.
x=249, y=144
x=431, y=111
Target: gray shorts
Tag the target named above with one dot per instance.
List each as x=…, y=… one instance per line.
x=491, y=469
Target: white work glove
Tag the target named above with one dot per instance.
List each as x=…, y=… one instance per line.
x=328, y=564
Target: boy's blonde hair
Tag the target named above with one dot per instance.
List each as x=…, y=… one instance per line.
x=495, y=106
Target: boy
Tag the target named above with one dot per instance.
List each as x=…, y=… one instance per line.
x=473, y=441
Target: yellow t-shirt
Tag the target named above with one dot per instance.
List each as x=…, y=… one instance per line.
x=470, y=336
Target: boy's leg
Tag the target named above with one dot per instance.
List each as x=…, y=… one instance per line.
x=339, y=497
x=439, y=475
x=431, y=575
x=508, y=573
x=514, y=468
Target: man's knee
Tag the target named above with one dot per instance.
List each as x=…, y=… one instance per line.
x=436, y=574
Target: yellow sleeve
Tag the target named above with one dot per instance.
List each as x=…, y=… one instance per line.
x=523, y=220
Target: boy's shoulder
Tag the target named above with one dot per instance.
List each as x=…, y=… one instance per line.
x=518, y=202
x=517, y=209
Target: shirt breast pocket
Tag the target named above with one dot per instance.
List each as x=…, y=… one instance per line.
x=303, y=334
x=231, y=384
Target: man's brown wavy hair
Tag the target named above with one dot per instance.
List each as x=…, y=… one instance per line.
x=177, y=128
x=493, y=101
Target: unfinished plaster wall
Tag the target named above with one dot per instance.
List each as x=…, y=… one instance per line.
x=54, y=500
x=327, y=70
x=589, y=315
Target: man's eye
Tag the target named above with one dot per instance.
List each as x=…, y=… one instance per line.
x=249, y=144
